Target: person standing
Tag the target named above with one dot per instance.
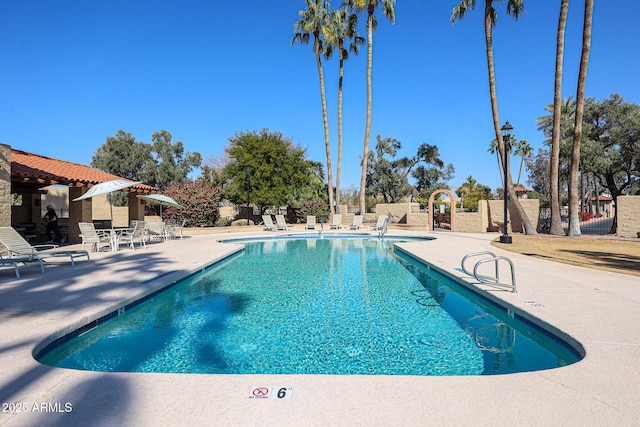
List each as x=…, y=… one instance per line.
x=51, y=222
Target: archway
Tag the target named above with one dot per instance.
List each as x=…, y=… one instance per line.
x=453, y=207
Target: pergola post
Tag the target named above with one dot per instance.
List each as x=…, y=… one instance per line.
x=5, y=185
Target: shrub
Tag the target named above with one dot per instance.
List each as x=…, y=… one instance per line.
x=585, y=216
x=200, y=202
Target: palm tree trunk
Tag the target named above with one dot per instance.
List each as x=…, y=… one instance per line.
x=574, y=220
x=596, y=191
x=326, y=132
x=515, y=204
x=556, y=217
x=365, y=154
x=520, y=170
x=339, y=130
x=500, y=167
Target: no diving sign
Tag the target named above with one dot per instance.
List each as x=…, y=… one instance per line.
x=270, y=393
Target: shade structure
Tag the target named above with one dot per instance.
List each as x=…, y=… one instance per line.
x=107, y=187
x=161, y=199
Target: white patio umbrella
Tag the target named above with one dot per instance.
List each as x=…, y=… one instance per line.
x=107, y=187
x=160, y=199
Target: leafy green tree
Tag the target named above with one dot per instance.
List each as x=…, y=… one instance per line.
x=432, y=174
x=472, y=192
x=313, y=20
x=213, y=170
x=340, y=31
x=124, y=156
x=156, y=164
x=172, y=163
x=274, y=166
x=611, y=147
x=389, y=177
x=539, y=177
x=200, y=201
x=388, y=10
x=515, y=8
x=311, y=199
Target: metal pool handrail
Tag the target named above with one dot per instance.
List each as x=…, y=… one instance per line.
x=489, y=279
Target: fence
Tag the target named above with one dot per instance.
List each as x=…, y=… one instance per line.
x=595, y=225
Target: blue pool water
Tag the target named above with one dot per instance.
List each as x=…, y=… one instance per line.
x=314, y=306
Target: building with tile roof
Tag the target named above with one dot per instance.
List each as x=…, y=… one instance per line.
x=27, y=174
x=30, y=172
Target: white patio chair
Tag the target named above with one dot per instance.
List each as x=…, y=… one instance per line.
x=17, y=246
x=90, y=235
x=380, y=224
x=336, y=221
x=357, y=223
x=155, y=230
x=136, y=234
x=281, y=224
x=19, y=262
x=268, y=223
x=311, y=223
x=178, y=230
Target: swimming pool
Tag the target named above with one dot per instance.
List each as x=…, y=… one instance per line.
x=314, y=306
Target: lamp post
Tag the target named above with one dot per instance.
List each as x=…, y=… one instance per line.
x=248, y=185
x=506, y=137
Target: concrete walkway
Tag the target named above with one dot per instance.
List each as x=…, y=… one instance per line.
x=597, y=309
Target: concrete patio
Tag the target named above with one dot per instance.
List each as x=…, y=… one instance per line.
x=597, y=309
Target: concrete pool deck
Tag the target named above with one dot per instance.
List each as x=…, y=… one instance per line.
x=598, y=309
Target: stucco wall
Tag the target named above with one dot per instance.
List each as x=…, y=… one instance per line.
x=473, y=222
x=628, y=216
x=399, y=211
x=496, y=215
x=101, y=211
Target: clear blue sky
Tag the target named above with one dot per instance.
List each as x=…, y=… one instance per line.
x=74, y=72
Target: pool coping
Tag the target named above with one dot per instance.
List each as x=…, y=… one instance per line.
x=598, y=309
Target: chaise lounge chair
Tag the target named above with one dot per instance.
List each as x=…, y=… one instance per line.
x=17, y=246
x=281, y=224
x=311, y=223
x=268, y=223
x=336, y=221
x=357, y=223
x=382, y=219
x=20, y=262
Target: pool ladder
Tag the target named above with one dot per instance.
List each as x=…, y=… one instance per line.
x=495, y=281
x=385, y=226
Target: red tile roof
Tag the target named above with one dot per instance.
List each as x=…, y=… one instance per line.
x=521, y=189
x=32, y=168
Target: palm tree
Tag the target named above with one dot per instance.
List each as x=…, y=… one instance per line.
x=341, y=29
x=493, y=149
x=514, y=8
x=388, y=11
x=523, y=149
x=313, y=19
x=574, y=168
x=565, y=142
x=554, y=163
